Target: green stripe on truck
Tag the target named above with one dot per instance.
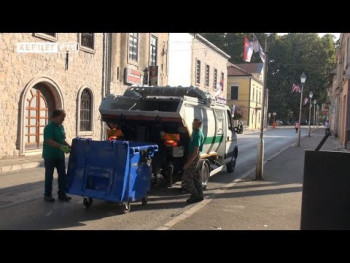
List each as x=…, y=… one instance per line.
x=212, y=140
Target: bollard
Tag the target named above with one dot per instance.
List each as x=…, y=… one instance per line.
x=328, y=133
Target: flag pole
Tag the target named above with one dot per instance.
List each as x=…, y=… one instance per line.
x=260, y=148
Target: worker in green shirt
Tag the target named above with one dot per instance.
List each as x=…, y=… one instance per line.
x=191, y=178
x=54, y=148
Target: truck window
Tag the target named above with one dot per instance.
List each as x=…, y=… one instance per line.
x=229, y=120
x=220, y=121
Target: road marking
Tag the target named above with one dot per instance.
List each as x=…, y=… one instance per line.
x=208, y=199
x=49, y=213
x=200, y=205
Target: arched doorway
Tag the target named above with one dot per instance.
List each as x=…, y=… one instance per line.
x=39, y=102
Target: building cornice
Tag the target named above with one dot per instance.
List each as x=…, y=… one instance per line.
x=211, y=45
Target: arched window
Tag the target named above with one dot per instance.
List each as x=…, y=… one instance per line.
x=85, y=110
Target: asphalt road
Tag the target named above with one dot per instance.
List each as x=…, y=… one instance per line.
x=22, y=205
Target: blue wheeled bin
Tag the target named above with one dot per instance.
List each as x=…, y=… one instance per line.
x=116, y=171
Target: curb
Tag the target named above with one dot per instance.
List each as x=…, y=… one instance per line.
x=254, y=132
x=17, y=167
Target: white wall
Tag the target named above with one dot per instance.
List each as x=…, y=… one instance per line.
x=180, y=53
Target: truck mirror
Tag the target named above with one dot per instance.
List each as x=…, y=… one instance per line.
x=239, y=128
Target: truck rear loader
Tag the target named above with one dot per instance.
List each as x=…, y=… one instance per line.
x=164, y=115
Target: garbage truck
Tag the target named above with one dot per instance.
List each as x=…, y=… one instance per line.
x=164, y=115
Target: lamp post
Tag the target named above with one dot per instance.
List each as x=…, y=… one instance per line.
x=317, y=114
x=302, y=80
x=269, y=119
x=314, y=114
x=259, y=171
x=310, y=96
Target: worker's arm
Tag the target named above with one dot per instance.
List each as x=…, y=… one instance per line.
x=48, y=135
x=52, y=143
x=67, y=144
x=192, y=157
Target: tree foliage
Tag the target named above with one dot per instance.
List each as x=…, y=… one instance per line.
x=289, y=56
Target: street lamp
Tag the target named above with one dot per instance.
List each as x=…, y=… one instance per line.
x=310, y=96
x=314, y=114
x=302, y=80
x=274, y=119
x=317, y=115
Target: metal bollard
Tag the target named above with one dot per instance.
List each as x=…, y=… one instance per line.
x=328, y=133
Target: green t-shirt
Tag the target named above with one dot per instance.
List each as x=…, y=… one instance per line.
x=55, y=132
x=197, y=139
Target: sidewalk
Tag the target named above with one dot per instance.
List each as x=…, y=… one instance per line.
x=21, y=163
x=273, y=203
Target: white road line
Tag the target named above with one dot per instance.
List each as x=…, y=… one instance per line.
x=200, y=205
x=207, y=200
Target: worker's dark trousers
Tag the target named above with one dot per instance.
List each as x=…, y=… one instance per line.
x=50, y=165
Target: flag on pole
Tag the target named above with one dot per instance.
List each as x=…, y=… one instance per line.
x=262, y=55
x=256, y=45
x=248, y=50
x=219, y=88
x=295, y=88
x=233, y=110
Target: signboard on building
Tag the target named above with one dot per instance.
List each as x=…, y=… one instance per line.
x=153, y=75
x=221, y=100
x=132, y=76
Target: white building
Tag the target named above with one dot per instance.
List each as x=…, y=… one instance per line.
x=194, y=61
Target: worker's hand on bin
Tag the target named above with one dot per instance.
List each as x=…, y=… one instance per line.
x=65, y=148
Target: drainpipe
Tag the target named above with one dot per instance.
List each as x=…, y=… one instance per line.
x=106, y=69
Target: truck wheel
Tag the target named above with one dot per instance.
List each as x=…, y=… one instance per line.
x=205, y=174
x=230, y=167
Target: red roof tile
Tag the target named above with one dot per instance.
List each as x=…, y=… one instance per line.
x=233, y=70
x=251, y=67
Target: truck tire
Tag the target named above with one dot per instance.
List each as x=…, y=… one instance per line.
x=205, y=174
x=230, y=167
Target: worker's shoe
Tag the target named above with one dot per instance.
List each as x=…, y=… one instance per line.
x=192, y=200
x=64, y=198
x=49, y=199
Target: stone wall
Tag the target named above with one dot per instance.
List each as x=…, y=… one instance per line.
x=18, y=71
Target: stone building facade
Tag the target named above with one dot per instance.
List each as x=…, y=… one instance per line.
x=339, y=94
x=209, y=64
x=138, y=59
x=32, y=84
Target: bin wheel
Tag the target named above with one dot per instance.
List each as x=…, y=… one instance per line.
x=87, y=202
x=144, y=200
x=126, y=208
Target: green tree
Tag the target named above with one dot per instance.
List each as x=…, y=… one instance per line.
x=289, y=56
